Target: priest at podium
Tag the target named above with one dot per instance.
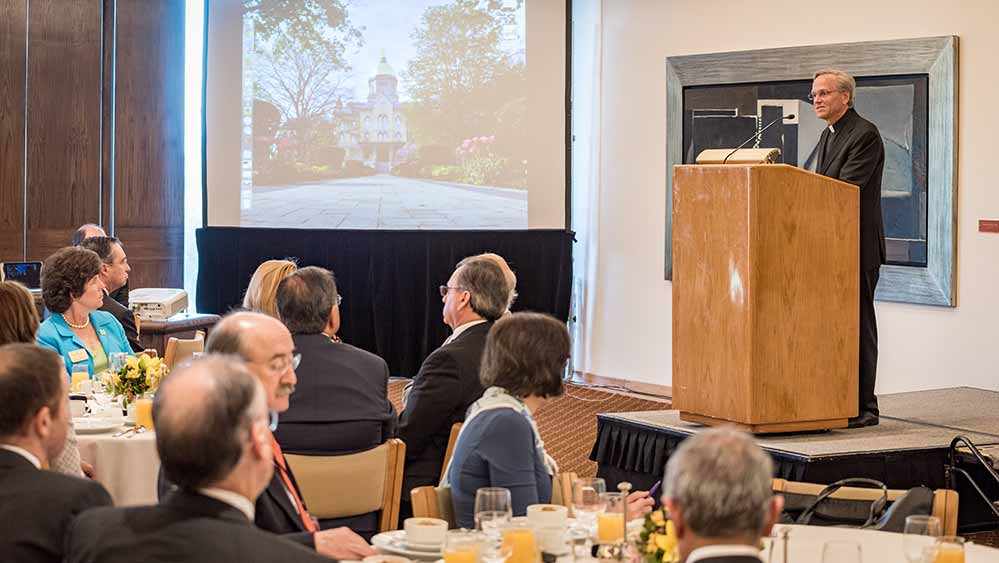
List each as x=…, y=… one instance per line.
x=850, y=149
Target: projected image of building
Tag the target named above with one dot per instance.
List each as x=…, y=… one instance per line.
x=373, y=131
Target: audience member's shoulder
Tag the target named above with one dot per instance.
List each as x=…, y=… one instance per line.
x=66, y=487
x=362, y=354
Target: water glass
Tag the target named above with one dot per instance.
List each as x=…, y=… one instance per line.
x=493, y=501
x=920, y=531
x=586, y=500
x=841, y=552
x=493, y=510
x=116, y=360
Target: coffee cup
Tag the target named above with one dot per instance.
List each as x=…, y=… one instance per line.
x=425, y=531
x=78, y=408
x=551, y=522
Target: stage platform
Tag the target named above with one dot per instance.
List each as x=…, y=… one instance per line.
x=908, y=448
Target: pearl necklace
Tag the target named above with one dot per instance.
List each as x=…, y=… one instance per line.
x=77, y=327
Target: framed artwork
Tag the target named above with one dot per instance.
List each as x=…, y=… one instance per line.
x=908, y=88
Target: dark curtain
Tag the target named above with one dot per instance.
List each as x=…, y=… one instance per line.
x=388, y=279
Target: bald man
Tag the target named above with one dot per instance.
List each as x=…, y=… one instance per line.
x=213, y=439
x=269, y=352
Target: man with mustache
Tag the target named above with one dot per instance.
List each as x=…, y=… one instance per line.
x=269, y=352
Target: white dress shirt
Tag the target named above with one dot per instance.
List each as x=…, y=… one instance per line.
x=23, y=453
x=462, y=328
x=710, y=551
x=234, y=500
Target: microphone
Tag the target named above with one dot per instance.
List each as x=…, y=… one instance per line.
x=755, y=135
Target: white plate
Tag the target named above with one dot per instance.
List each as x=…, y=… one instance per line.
x=96, y=425
x=395, y=543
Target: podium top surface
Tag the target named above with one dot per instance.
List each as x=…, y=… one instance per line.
x=759, y=166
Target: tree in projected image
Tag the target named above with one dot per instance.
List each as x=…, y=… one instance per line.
x=468, y=95
x=299, y=69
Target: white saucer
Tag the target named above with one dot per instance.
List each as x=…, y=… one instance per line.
x=395, y=543
x=88, y=425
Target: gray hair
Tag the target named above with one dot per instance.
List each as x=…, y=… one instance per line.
x=487, y=286
x=305, y=298
x=511, y=278
x=844, y=82
x=103, y=246
x=720, y=479
x=200, y=435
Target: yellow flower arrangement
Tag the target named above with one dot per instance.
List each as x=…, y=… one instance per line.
x=657, y=540
x=139, y=375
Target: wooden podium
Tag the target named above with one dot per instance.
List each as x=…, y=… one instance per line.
x=765, y=297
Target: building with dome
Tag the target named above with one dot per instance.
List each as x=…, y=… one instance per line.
x=373, y=131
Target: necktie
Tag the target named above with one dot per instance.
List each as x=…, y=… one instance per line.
x=307, y=521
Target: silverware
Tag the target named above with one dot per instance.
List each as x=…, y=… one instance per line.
x=121, y=433
x=137, y=430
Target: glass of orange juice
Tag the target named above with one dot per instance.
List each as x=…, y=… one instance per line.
x=521, y=542
x=610, y=523
x=950, y=549
x=144, y=411
x=462, y=546
x=81, y=373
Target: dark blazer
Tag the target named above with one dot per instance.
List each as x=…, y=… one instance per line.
x=340, y=404
x=121, y=294
x=856, y=155
x=183, y=527
x=274, y=511
x=37, y=508
x=447, y=383
x=127, y=319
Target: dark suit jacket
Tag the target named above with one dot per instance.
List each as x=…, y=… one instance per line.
x=183, y=527
x=127, y=319
x=274, y=511
x=340, y=404
x=856, y=155
x=121, y=294
x=37, y=507
x=446, y=385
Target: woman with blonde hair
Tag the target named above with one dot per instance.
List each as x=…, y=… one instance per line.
x=260, y=295
x=19, y=324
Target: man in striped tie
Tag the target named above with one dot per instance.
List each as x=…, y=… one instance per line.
x=267, y=347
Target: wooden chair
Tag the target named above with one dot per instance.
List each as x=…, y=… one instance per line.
x=178, y=350
x=944, y=500
x=452, y=439
x=435, y=502
x=353, y=484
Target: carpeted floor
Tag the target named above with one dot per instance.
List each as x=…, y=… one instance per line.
x=568, y=424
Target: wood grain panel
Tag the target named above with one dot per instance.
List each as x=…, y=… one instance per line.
x=765, y=291
x=63, y=121
x=13, y=45
x=149, y=139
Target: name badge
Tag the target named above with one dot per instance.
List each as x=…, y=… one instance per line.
x=78, y=355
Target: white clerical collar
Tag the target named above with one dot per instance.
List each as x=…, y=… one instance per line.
x=234, y=500
x=23, y=453
x=710, y=551
x=462, y=328
x=832, y=129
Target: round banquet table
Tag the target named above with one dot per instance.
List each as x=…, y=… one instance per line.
x=127, y=466
x=805, y=545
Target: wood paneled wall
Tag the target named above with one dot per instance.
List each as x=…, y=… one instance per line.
x=91, y=129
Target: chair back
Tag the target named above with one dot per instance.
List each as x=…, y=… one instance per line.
x=944, y=500
x=353, y=484
x=452, y=439
x=178, y=350
x=434, y=502
x=562, y=489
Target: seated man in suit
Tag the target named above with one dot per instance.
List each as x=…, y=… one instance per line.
x=36, y=506
x=448, y=381
x=114, y=275
x=341, y=404
x=213, y=441
x=717, y=489
x=269, y=352
x=88, y=230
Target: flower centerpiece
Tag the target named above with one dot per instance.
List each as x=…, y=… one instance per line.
x=139, y=375
x=657, y=540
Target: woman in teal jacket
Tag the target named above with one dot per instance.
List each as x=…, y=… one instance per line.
x=73, y=293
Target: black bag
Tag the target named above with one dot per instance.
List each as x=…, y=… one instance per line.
x=823, y=510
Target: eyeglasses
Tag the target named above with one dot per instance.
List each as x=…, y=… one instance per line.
x=339, y=299
x=282, y=363
x=444, y=289
x=822, y=94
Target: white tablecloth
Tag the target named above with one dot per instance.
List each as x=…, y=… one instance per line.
x=127, y=466
x=805, y=546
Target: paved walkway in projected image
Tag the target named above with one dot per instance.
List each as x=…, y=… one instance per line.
x=386, y=202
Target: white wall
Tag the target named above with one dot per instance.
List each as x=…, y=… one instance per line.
x=921, y=347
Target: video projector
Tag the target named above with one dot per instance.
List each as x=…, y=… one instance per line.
x=157, y=303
